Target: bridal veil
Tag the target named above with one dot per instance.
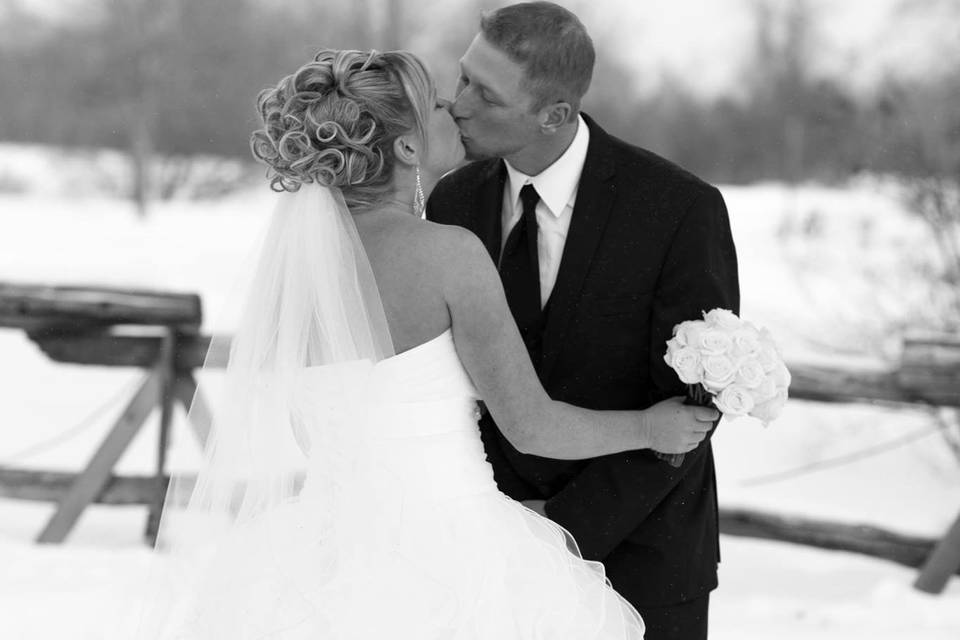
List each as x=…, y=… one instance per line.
x=311, y=301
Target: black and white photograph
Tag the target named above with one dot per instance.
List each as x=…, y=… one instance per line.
x=479, y=319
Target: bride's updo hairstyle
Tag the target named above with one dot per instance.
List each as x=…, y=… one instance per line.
x=335, y=120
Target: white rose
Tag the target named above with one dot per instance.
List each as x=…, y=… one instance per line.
x=765, y=390
x=766, y=339
x=723, y=319
x=688, y=333
x=714, y=342
x=746, y=342
x=768, y=358
x=750, y=374
x=672, y=345
x=734, y=401
x=769, y=411
x=781, y=376
x=686, y=362
x=718, y=372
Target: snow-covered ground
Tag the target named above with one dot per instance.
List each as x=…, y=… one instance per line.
x=827, y=270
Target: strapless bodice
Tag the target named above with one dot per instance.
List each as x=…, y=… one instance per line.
x=399, y=530
x=409, y=421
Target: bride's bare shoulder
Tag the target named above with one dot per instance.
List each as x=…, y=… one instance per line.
x=454, y=250
x=466, y=270
x=453, y=242
x=443, y=254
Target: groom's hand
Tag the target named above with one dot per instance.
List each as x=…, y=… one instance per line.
x=673, y=427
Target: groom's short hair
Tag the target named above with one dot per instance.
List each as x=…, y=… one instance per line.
x=550, y=43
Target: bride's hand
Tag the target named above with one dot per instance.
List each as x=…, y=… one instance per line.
x=673, y=427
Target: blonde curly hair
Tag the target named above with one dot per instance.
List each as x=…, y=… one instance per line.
x=334, y=121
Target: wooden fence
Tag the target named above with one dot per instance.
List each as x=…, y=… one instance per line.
x=159, y=332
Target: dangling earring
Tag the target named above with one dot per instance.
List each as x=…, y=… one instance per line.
x=419, y=201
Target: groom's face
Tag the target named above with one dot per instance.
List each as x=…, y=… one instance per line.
x=492, y=109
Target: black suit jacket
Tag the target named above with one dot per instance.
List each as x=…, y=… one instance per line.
x=649, y=246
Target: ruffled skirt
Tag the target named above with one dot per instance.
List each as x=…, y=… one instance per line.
x=478, y=567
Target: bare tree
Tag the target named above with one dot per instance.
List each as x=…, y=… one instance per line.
x=924, y=126
x=138, y=33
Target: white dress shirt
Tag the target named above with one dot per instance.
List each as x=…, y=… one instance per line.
x=557, y=187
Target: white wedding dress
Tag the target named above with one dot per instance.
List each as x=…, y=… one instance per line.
x=344, y=492
x=399, y=531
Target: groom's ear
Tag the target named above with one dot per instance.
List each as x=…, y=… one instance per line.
x=553, y=116
x=406, y=150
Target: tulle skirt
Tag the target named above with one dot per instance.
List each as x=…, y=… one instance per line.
x=478, y=567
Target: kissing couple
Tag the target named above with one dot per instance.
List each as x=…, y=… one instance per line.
x=446, y=391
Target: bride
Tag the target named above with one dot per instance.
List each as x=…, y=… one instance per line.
x=344, y=492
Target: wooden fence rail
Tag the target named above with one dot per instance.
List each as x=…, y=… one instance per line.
x=910, y=551
x=118, y=348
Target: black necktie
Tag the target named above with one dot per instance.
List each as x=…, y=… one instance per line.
x=520, y=272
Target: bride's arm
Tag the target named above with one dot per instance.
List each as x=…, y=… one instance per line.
x=493, y=353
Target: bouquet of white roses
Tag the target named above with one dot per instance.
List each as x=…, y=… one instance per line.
x=730, y=364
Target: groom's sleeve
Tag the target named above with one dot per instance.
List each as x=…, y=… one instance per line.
x=614, y=495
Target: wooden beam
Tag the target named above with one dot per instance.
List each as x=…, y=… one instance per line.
x=911, y=551
x=91, y=481
x=52, y=486
x=116, y=348
x=942, y=563
x=828, y=384
x=931, y=362
x=866, y=540
x=165, y=371
x=23, y=305
x=810, y=382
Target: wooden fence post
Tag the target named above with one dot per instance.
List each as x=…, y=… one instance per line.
x=167, y=373
x=92, y=480
x=942, y=563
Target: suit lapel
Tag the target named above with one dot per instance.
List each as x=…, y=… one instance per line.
x=487, y=215
x=595, y=196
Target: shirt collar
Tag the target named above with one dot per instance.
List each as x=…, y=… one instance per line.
x=557, y=184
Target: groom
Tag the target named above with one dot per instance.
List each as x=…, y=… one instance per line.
x=603, y=247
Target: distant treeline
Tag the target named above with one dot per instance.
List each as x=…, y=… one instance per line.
x=181, y=76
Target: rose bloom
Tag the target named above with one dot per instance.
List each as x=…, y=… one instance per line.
x=723, y=319
x=766, y=390
x=718, y=372
x=746, y=342
x=766, y=339
x=673, y=344
x=768, y=411
x=734, y=401
x=750, y=374
x=688, y=333
x=781, y=376
x=714, y=342
x=768, y=358
x=686, y=362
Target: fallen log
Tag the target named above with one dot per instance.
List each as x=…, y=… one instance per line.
x=910, y=551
